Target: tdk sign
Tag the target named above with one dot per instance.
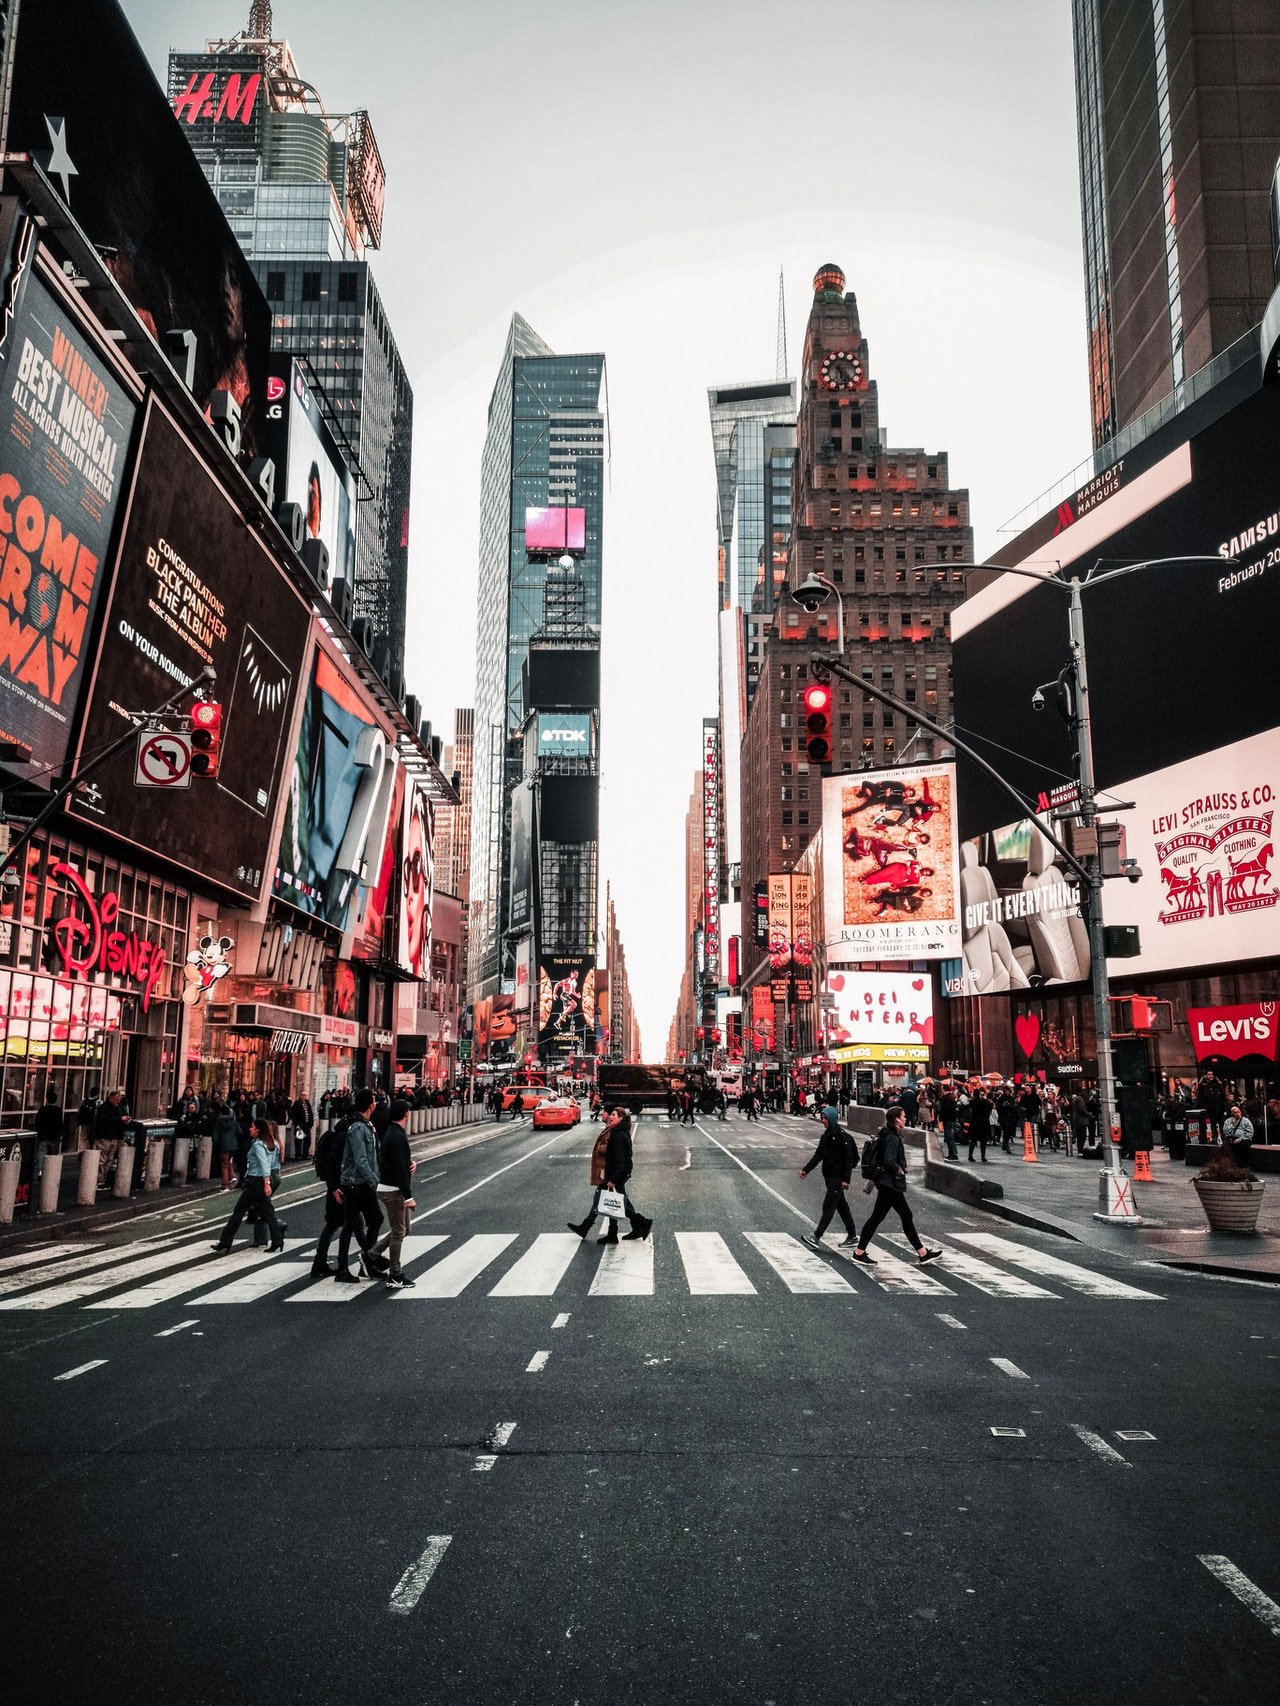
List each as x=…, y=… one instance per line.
x=568, y=736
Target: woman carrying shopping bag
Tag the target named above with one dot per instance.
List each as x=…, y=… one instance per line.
x=610, y=1170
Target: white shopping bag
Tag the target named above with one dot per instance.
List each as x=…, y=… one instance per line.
x=613, y=1205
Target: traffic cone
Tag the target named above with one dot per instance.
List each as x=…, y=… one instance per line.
x=1142, y=1168
x=1028, y=1142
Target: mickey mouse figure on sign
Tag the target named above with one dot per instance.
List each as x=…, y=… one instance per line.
x=205, y=966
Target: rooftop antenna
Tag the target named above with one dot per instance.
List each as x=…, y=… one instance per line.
x=782, y=327
x=260, y=20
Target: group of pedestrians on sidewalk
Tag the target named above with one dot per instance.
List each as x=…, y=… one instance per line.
x=884, y=1167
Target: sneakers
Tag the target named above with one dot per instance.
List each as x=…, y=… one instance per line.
x=928, y=1256
x=849, y=1243
x=322, y=1270
x=344, y=1276
x=812, y=1240
x=862, y=1256
x=222, y=1249
x=373, y=1267
x=397, y=1282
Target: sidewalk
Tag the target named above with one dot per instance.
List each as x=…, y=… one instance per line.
x=1060, y=1195
x=110, y=1214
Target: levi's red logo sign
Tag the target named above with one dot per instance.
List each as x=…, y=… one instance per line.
x=1234, y=1032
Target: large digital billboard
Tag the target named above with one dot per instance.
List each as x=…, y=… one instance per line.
x=890, y=870
x=417, y=878
x=563, y=734
x=555, y=529
x=566, y=1003
x=195, y=586
x=522, y=843
x=376, y=900
x=310, y=469
x=83, y=95
x=1021, y=925
x=1208, y=628
x=886, y=1010
x=65, y=425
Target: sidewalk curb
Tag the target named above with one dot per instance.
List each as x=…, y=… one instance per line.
x=1021, y=1218
x=1262, y=1276
x=76, y=1221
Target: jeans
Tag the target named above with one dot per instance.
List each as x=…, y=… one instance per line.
x=836, y=1201
x=253, y=1195
x=886, y=1200
x=358, y=1201
x=398, y=1216
x=950, y=1130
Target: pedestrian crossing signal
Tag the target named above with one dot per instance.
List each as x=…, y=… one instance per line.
x=206, y=737
x=817, y=723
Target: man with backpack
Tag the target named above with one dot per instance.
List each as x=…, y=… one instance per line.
x=836, y=1154
x=357, y=1191
x=329, y=1169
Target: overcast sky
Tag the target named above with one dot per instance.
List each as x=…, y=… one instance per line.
x=630, y=178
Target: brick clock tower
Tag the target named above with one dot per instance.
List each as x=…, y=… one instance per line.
x=883, y=525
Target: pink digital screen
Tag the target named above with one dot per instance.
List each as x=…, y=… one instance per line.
x=555, y=529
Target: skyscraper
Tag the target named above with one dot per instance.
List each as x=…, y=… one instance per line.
x=745, y=422
x=303, y=191
x=544, y=451
x=1179, y=128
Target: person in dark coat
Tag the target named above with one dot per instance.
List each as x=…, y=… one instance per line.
x=1212, y=1096
x=108, y=1132
x=890, y=1156
x=836, y=1154
x=395, y=1189
x=226, y=1141
x=979, y=1120
x=49, y=1123
x=617, y=1170
x=949, y=1116
x=303, y=1116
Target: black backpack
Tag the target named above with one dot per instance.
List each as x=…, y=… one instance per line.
x=872, y=1157
x=336, y=1134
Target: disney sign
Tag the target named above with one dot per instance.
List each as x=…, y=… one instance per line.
x=86, y=942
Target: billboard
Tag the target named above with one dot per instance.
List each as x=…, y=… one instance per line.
x=524, y=975
x=83, y=95
x=566, y=1003
x=891, y=875
x=195, y=586
x=887, y=1007
x=711, y=851
x=65, y=426
x=340, y=774
x=790, y=923
x=555, y=529
x=1021, y=925
x=416, y=882
x=1209, y=628
x=522, y=832
x=376, y=901
x=310, y=468
x=563, y=734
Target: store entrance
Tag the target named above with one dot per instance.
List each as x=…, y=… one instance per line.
x=142, y=1076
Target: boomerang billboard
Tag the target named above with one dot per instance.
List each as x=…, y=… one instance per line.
x=892, y=881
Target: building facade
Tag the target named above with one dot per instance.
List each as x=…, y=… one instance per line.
x=1179, y=129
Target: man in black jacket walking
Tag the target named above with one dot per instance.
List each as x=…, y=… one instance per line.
x=395, y=1190
x=836, y=1154
x=303, y=1116
x=890, y=1158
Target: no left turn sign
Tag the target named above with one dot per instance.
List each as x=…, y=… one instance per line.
x=164, y=761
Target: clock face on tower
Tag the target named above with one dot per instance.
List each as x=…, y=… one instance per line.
x=841, y=371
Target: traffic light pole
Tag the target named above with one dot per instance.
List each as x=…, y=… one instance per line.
x=207, y=677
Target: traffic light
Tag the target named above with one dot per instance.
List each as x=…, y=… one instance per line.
x=206, y=737
x=817, y=723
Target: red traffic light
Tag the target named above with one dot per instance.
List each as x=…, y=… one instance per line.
x=206, y=737
x=817, y=723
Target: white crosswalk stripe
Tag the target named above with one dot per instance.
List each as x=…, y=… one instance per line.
x=709, y=1267
x=540, y=1270
x=625, y=1270
x=982, y=1275
x=41, y=1253
x=710, y=1264
x=1053, y=1267
x=797, y=1268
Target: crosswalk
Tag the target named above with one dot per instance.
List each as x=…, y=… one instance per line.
x=505, y=1265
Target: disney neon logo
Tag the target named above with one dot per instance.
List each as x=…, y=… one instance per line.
x=87, y=944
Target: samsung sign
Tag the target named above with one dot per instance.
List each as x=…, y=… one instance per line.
x=564, y=737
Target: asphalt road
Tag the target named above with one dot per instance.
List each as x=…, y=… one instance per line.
x=750, y=1474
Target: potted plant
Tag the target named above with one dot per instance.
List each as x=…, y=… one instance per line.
x=1230, y=1194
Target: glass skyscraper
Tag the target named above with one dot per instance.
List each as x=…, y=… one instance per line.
x=546, y=446
x=740, y=416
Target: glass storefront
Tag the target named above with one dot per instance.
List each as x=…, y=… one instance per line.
x=91, y=954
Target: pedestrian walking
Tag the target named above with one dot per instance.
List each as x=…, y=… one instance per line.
x=358, y=1193
x=328, y=1165
x=722, y=1104
x=686, y=1107
x=949, y=1116
x=303, y=1116
x=979, y=1120
x=837, y=1155
x=886, y=1157
x=226, y=1141
x=617, y=1166
x=1006, y=1119
x=396, y=1168
x=256, y=1191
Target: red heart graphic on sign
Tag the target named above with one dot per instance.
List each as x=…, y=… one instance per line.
x=918, y=983
x=1026, y=1027
x=835, y=982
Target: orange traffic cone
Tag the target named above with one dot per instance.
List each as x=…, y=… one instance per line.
x=1142, y=1168
x=1028, y=1142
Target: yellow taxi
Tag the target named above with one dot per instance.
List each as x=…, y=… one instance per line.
x=530, y=1095
x=556, y=1111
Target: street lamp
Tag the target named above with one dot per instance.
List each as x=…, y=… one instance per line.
x=1114, y=1198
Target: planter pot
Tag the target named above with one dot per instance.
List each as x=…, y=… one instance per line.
x=1228, y=1206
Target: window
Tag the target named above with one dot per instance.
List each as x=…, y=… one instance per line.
x=803, y=817
x=311, y=287
x=275, y=287
x=788, y=817
x=347, y=282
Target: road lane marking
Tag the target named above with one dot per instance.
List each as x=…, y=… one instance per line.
x=797, y=1268
x=1134, y=1435
x=519, y=1161
x=625, y=1270
x=187, y=1280
x=799, y=1212
x=560, y=1321
x=982, y=1276
x=540, y=1270
x=409, y=1589
x=72, y=1373
x=168, y=1332
x=104, y=1256
x=433, y=1176
x=1009, y=1368
x=451, y=1277
x=1264, y=1609
x=890, y=1274
x=538, y=1361
x=710, y=1268
x=76, y=1290
x=688, y=1160
x=501, y=1435
x=1098, y=1445
x=483, y=1462
x=329, y=1291
x=1009, y=1433
x=1038, y=1262
x=950, y=1321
